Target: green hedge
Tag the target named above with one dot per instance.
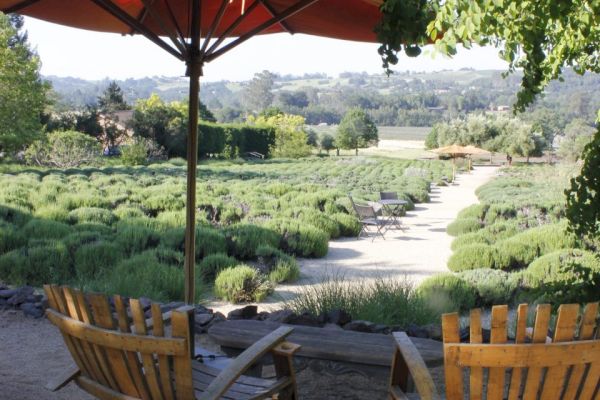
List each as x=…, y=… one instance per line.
x=493, y=286
x=472, y=257
x=463, y=225
x=241, y=284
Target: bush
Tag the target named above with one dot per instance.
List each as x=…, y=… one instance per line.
x=143, y=275
x=244, y=239
x=548, y=238
x=349, y=224
x=14, y=215
x=93, y=259
x=208, y=241
x=126, y=211
x=463, y=225
x=45, y=229
x=472, y=257
x=476, y=211
x=467, y=239
x=493, y=286
x=241, y=284
x=44, y=262
x=92, y=215
x=299, y=239
x=10, y=238
x=447, y=293
x=564, y=276
x=279, y=266
x=513, y=254
x=383, y=301
x=212, y=264
x=53, y=212
x=141, y=151
x=63, y=149
x=135, y=238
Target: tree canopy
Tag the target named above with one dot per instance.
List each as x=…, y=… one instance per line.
x=22, y=91
x=356, y=131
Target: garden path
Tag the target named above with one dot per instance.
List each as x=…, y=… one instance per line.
x=418, y=252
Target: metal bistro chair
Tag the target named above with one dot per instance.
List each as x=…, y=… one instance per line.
x=394, y=212
x=368, y=217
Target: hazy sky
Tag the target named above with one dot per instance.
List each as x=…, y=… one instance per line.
x=91, y=55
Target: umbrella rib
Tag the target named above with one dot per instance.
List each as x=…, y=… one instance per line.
x=19, y=6
x=174, y=21
x=149, y=7
x=128, y=20
x=231, y=27
x=214, y=25
x=273, y=13
x=290, y=11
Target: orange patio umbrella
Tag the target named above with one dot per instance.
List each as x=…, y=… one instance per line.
x=195, y=31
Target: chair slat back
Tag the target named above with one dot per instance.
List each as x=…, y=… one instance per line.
x=566, y=366
x=365, y=212
x=113, y=360
x=388, y=195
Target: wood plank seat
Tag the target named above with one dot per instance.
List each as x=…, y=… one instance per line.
x=566, y=366
x=115, y=361
x=324, y=344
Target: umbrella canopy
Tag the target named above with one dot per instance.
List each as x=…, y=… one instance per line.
x=194, y=31
x=456, y=150
x=477, y=151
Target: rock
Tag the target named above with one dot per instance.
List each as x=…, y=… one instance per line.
x=305, y=319
x=31, y=310
x=3, y=302
x=20, y=296
x=359, y=326
x=380, y=328
x=33, y=298
x=434, y=330
x=417, y=331
x=333, y=327
x=200, y=309
x=219, y=317
x=322, y=318
x=146, y=303
x=281, y=316
x=203, y=319
x=339, y=317
x=261, y=316
x=465, y=335
x=171, y=306
x=3, y=286
x=247, y=312
x=7, y=293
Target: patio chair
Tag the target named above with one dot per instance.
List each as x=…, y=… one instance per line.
x=532, y=366
x=118, y=361
x=388, y=195
x=368, y=218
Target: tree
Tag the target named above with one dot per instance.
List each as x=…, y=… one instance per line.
x=112, y=99
x=356, y=130
x=327, y=142
x=205, y=113
x=577, y=135
x=22, y=91
x=66, y=149
x=258, y=94
x=290, y=134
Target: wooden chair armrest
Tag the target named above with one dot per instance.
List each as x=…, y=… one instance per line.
x=241, y=363
x=286, y=349
x=407, y=358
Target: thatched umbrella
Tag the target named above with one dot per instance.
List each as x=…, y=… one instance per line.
x=195, y=31
x=456, y=150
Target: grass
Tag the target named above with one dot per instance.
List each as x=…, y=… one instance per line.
x=383, y=301
x=98, y=222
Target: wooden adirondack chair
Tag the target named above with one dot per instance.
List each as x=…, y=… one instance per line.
x=115, y=361
x=566, y=366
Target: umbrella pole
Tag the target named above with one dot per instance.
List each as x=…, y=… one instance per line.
x=194, y=63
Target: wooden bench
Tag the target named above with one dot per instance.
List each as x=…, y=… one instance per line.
x=328, y=353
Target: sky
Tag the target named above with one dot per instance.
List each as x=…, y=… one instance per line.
x=91, y=55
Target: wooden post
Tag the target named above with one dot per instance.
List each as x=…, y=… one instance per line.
x=194, y=71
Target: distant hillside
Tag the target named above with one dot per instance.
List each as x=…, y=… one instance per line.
x=402, y=99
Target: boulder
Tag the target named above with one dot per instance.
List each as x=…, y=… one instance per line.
x=247, y=312
x=434, y=330
x=31, y=310
x=146, y=303
x=339, y=317
x=417, y=331
x=282, y=316
x=21, y=295
x=203, y=319
x=171, y=306
x=360, y=326
x=7, y=293
x=305, y=319
x=381, y=328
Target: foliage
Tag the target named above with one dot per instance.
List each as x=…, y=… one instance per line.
x=539, y=37
x=356, y=130
x=141, y=151
x=471, y=257
x=258, y=93
x=279, y=266
x=380, y=300
x=212, y=264
x=577, y=135
x=564, y=276
x=241, y=284
x=290, y=134
x=91, y=214
x=326, y=142
x=493, y=286
x=448, y=293
x=463, y=225
x=112, y=99
x=63, y=150
x=22, y=91
x=583, y=204
x=93, y=259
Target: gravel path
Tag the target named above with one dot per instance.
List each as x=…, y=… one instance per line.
x=421, y=250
